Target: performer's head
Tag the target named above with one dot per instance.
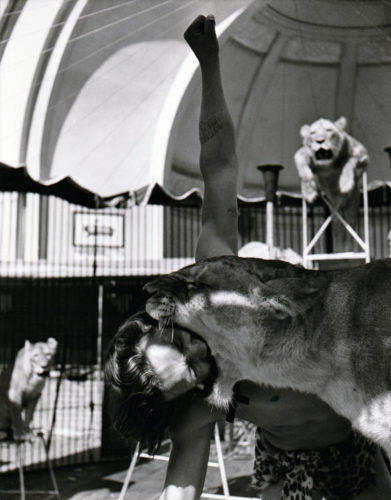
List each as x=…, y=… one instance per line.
x=151, y=373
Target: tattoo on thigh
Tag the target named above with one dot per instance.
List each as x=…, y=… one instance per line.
x=209, y=128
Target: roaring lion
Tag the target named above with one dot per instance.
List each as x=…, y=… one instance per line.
x=323, y=332
x=332, y=162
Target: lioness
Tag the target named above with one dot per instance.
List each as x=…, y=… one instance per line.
x=332, y=157
x=326, y=333
x=332, y=162
x=21, y=387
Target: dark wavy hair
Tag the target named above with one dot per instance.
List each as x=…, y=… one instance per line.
x=137, y=405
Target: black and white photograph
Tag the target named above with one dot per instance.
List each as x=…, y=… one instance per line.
x=195, y=249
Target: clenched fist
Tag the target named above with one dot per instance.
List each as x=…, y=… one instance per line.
x=202, y=39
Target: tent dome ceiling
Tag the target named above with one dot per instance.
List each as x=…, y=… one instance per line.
x=286, y=64
x=107, y=134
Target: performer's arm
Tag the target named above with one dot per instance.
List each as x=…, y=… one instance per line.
x=192, y=433
x=218, y=161
x=187, y=465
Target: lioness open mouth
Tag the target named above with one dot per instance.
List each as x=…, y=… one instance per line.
x=161, y=307
x=323, y=154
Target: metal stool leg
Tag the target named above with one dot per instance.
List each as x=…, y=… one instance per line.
x=128, y=477
x=220, y=460
x=19, y=458
x=221, y=466
x=56, y=491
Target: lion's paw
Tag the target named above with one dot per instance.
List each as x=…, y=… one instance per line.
x=309, y=191
x=346, y=181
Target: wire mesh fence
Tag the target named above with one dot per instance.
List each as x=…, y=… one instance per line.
x=76, y=274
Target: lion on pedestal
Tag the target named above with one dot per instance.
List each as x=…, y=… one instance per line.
x=331, y=162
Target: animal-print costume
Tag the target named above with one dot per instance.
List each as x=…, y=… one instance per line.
x=338, y=472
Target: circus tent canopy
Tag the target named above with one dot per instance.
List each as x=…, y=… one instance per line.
x=83, y=85
x=106, y=93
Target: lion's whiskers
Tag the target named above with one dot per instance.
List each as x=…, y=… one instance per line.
x=172, y=329
x=164, y=323
x=166, y=317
